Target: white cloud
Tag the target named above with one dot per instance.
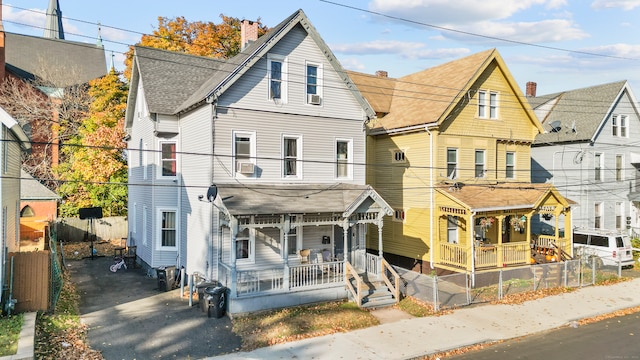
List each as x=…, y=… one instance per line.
x=627, y=51
x=407, y=50
x=607, y=4
x=31, y=18
x=528, y=32
x=352, y=64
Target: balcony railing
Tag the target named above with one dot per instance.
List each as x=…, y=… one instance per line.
x=486, y=256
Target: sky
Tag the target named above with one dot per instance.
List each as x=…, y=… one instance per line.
x=559, y=44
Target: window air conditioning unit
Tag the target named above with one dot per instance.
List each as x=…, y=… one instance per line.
x=245, y=168
x=313, y=99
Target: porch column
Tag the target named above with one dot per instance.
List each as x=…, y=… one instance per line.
x=556, y=215
x=380, y=252
x=286, y=227
x=233, y=230
x=345, y=236
x=528, y=227
x=501, y=226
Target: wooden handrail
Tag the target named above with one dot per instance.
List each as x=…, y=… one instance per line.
x=351, y=271
x=395, y=287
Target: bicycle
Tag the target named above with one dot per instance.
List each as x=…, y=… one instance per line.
x=119, y=264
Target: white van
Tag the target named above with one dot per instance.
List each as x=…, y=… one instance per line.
x=612, y=247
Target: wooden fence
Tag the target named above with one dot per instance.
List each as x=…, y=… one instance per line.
x=31, y=280
x=75, y=229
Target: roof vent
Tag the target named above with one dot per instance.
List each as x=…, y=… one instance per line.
x=555, y=126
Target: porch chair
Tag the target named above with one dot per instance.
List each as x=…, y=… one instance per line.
x=320, y=260
x=304, y=256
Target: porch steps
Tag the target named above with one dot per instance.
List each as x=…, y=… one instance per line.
x=375, y=294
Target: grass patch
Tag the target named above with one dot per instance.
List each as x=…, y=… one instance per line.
x=10, y=327
x=417, y=308
x=301, y=322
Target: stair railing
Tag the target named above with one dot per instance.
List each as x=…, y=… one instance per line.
x=391, y=278
x=350, y=272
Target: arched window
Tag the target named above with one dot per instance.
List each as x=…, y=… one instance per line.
x=27, y=211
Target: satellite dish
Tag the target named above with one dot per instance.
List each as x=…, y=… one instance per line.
x=555, y=126
x=212, y=193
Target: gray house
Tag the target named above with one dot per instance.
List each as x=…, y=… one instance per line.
x=14, y=142
x=250, y=171
x=590, y=153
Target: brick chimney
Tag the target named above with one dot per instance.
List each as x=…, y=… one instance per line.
x=2, y=56
x=531, y=89
x=248, y=33
x=382, y=74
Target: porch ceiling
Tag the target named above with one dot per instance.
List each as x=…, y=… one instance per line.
x=250, y=199
x=495, y=197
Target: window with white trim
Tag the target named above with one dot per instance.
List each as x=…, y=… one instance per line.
x=399, y=215
x=344, y=154
x=487, y=104
x=245, y=245
x=168, y=159
x=452, y=163
x=619, y=125
x=244, y=153
x=314, y=83
x=493, y=105
x=619, y=167
x=619, y=216
x=480, y=164
x=168, y=228
x=144, y=225
x=597, y=215
x=134, y=220
x=294, y=245
x=452, y=229
x=399, y=156
x=510, y=165
x=597, y=166
x=145, y=161
x=277, y=75
x=291, y=156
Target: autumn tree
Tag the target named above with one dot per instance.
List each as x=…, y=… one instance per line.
x=196, y=38
x=95, y=171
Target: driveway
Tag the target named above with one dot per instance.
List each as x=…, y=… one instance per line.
x=129, y=318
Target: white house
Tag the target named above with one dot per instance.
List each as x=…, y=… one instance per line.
x=250, y=171
x=590, y=152
x=14, y=142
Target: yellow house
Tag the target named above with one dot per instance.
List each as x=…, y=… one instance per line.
x=450, y=152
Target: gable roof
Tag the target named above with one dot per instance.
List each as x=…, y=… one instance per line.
x=32, y=189
x=13, y=126
x=212, y=77
x=377, y=90
x=61, y=62
x=431, y=95
x=584, y=110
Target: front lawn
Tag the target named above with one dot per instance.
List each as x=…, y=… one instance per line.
x=10, y=327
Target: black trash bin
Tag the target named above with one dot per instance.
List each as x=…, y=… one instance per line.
x=217, y=301
x=166, y=277
x=203, y=300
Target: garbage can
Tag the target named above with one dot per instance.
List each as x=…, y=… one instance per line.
x=202, y=297
x=217, y=301
x=166, y=277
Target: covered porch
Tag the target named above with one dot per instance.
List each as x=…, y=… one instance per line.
x=290, y=245
x=494, y=226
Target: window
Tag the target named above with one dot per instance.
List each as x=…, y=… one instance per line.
x=491, y=102
x=619, y=169
x=597, y=163
x=5, y=150
x=452, y=229
x=597, y=219
x=398, y=156
x=452, y=163
x=480, y=170
x=343, y=156
x=168, y=160
x=244, y=153
x=619, y=215
x=398, y=215
x=134, y=220
x=168, y=228
x=277, y=73
x=619, y=125
x=244, y=246
x=144, y=225
x=293, y=238
x=493, y=105
x=510, y=165
x=291, y=151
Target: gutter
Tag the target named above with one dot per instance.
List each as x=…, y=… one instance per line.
x=404, y=129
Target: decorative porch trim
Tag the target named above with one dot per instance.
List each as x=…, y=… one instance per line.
x=453, y=210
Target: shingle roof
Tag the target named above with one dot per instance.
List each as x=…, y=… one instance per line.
x=377, y=90
x=169, y=77
x=582, y=109
x=62, y=62
x=240, y=199
x=32, y=189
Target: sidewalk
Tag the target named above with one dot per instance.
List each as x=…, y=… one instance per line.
x=416, y=337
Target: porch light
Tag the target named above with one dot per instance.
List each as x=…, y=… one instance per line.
x=523, y=218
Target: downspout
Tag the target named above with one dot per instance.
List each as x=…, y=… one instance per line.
x=431, y=194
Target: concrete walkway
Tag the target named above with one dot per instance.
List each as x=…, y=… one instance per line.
x=415, y=337
x=26, y=341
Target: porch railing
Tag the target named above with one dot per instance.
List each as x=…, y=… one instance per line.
x=453, y=254
x=391, y=278
x=253, y=281
x=306, y=275
x=486, y=255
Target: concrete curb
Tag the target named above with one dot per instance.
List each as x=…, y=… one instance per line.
x=26, y=341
